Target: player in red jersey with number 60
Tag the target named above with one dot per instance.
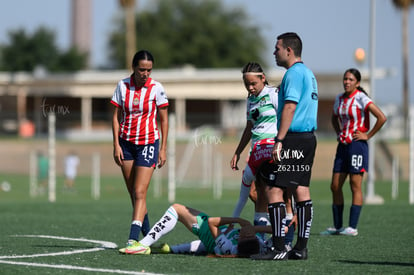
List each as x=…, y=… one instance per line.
x=350, y=120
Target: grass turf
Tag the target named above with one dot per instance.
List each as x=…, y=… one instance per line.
x=384, y=245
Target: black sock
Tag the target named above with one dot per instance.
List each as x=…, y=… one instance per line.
x=337, y=211
x=145, y=225
x=277, y=215
x=305, y=215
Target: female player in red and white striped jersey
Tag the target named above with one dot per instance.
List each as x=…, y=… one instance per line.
x=137, y=101
x=350, y=120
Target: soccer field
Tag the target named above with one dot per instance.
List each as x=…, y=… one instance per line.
x=79, y=235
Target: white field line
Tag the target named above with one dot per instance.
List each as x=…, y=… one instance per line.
x=53, y=254
x=104, y=245
x=73, y=267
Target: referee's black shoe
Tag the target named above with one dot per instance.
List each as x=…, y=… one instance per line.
x=276, y=255
x=295, y=254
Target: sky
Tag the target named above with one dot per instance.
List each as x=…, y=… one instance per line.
x=331, y=31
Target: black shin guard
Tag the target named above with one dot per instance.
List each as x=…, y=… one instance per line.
x=305, y=215
x=277, y=215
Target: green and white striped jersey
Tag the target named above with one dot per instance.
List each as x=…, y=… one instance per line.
x=262, y=112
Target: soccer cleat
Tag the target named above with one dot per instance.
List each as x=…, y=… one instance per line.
x=129, y=243
x=295, y=254
x=161, y=249
x=349, y=231
x=138, y=249
x=134, y=247
x=331, y=231
x=275, y=255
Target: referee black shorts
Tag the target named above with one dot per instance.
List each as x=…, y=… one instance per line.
x=295, y=168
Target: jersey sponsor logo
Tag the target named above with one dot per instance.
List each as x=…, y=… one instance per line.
x=263, y=101
x=136, y=101
x=265, y=153
x=259, y=127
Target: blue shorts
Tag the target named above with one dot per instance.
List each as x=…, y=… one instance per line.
x=351, y=158
x=143, y=155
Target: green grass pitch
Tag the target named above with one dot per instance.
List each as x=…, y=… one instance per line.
x=385, y=243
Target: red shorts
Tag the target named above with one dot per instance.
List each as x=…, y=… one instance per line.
x=262, y=152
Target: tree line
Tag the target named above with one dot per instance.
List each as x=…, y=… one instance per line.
x=203, y=34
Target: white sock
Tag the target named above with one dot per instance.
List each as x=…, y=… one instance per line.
x=246, y=183
x=136, y=222
x=244, y=195
x=289, y=216
x=197, y=247
x=162, y=227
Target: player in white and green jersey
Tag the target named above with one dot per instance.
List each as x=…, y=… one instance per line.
x=213, y=232
x=261, y=111
x=261, y=123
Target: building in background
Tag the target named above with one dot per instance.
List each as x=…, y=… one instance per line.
x=198, y=97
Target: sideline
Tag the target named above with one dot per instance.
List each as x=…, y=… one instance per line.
x=104, y=245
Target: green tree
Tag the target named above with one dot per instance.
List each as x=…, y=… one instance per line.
x=25, y=52
x=71, y=60
x=202, y=33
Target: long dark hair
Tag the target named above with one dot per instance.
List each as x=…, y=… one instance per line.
x=142, y=55
x=357, y=75
x=246, y=248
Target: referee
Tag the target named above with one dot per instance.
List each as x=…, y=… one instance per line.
x=294, y=149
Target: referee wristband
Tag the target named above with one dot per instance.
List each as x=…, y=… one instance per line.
x=278, y=140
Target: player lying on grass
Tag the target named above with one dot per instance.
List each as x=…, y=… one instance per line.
x=196, y=247
x=259, y=156
x=217, y=234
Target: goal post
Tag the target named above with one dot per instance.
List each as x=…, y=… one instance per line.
x=33, y=174
x=199, y=165
x=96, y=178
x=171, y=158
x=411, y=160
x=52, y=156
